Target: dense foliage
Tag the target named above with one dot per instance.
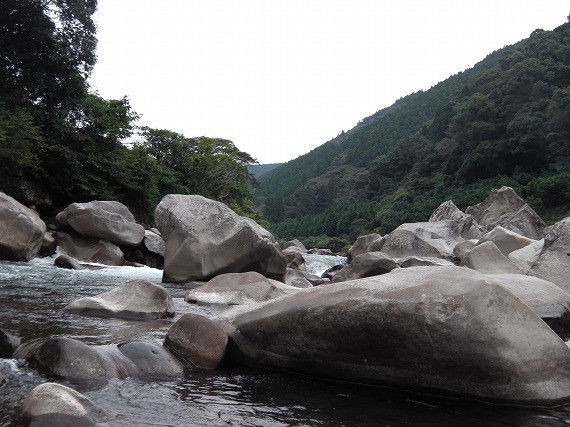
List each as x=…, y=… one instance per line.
x=61, y=144
x=506, y=121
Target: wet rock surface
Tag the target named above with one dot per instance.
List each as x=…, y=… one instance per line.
x=136, y=300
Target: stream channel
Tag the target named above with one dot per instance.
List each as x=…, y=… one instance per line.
x=33, y=294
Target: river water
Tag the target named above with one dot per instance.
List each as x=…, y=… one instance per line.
x=31, y=298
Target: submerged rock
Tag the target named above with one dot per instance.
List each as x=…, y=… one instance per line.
x=205, y=238
x=96, y=364
x=504, y=207
x=197, y=341
x=108, y=220
x=134, y=300
x=437, y=329
x=8, y=344
x=21, y=230
x=52, y=404
x=238, y=288
x=152, y=361
x=90, y=250
x=64, y=261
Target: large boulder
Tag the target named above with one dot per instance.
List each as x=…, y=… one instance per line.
x=487, y=258
x=425, y=239
x=553, y=263
x=295, y=245
x=525, y=257
x=237, y=288
x=75, y=361
x=438, y=329
x=504, y=207
x=52, y=404
x=90, y=250
x=68, y=358
x=205, y=238
x=506, y=240
x=365, y=265
x=298, y=278
x=108, y=220
x=21, y=230
x=448, y=211
x=546, y=299
x=361, y=245
x=197, y=341
x=134, y=300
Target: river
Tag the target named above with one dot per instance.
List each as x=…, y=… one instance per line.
x=32, y=295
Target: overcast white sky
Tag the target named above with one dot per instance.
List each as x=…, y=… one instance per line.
x=282, y=77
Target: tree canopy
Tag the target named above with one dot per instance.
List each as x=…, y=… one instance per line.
x=61, y=143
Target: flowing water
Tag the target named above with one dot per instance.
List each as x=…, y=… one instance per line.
x=31, y=298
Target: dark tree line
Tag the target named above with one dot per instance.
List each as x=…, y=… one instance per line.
x=61, y=143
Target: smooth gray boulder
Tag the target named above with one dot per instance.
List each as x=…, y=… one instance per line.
x=461, y=250
x=553, y=262
x=64, y=261
x=365, y=265
x=547, y=300
x=108, y=220
x=134, y=300
x=152, y=361
x=448, y=330
x=90, y=250
x=52, y=404
x=68, y=358
x=506, y=240
x=504, y=207
x=487, y=258
x=448, y=211
x=415, y=261
x=295, y=244
x=237, y=288
x=75, y=361
x=361, y=245
x=153, y=242
x=527, y=256
x=205, y=238
x=21, y=230
x=298, y=279
x=197, y=341
x=424, y=239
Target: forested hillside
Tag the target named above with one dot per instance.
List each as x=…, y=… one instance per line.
x=504, y=121
x=61, y=143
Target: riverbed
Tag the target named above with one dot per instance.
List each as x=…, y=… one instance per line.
x=33, y=294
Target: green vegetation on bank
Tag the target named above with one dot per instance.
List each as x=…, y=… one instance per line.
x=506, y=121
x=59, y=143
